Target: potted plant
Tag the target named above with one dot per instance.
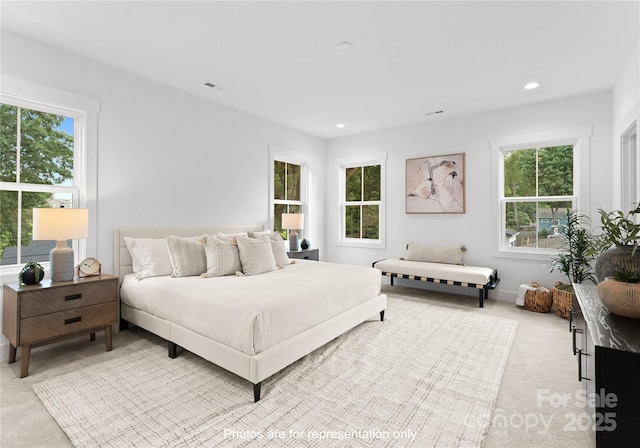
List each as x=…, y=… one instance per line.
x=618, y=243
x=573, y=260
x=620, y=293
x=30, y=274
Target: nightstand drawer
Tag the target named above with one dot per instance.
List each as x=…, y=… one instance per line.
x=39, y=328
x=305, y=254
x=51, y=300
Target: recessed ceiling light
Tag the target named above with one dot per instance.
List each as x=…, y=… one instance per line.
x=344, y=46
x=341, y=125
x=532, y=85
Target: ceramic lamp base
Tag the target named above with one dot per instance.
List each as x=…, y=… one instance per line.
x=61, y=259
x=293, y=242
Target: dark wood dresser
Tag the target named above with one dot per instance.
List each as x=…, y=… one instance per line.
x=607, y=350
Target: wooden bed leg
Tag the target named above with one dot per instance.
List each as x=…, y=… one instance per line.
x=256, y=391
x=173, y=350
x=382, y=316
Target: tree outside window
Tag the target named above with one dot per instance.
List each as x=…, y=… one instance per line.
x=37, y=170
x=362, y=202
x=287, y=192
x=538, y=190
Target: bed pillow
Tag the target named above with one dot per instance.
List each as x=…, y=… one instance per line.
x=150, y=257
x=277, y=246
x=278, y=249
x=448, y=255
x=256, y=255
x=230, y=236
x=222, y=256
x=187, y=256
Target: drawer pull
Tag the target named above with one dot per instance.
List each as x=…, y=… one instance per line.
x=72, y=320
x=580, y=355
x=575, y=331
x=73, y=297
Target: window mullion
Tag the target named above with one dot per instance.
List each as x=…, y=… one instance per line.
x=361, y=198
x=18, y=142
x=19, y=237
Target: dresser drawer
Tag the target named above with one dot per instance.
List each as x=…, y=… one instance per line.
x=34, y=329
x=50, y=300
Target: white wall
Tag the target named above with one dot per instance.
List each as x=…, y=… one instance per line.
x=166, y=157
x=469, y=135
x=626, y=110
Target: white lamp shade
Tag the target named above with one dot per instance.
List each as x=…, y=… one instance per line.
x=293, y=221
x=60, y=223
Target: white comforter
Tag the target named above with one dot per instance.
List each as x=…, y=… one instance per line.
x=253, y=313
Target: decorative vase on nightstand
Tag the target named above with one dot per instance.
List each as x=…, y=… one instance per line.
x=31, y=273
x=305, y=244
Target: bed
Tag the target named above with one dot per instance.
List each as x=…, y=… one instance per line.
x=253, y=326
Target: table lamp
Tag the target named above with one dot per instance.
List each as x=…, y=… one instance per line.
x=293, y=222
x=60, y=224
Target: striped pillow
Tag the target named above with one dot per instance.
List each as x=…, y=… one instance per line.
x=222, y=256
x=187, y=256
x=256, y=255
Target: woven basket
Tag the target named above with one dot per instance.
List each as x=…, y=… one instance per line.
x=539, y=299
x=562, y=301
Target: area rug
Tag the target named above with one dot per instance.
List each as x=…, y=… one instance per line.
x=427, y=376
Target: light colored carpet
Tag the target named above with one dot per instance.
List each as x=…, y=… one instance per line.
x=427, y=376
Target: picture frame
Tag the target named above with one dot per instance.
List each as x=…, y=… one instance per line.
x=435, y=184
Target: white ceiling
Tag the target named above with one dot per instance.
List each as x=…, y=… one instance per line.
x=279, y=60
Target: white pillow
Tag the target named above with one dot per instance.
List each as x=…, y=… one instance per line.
x=277, y=246
x=278, y=249
x=448, y=255
x=230, y=236
x=222, y=256
x=187, y=256
x=256, y=255
x=150, y=257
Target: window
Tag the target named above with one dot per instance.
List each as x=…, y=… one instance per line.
x=362, y=207
x=44, y=148
x=537, y=183
x=289, y=175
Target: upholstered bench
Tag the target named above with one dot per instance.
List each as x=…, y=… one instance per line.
x=442, y=265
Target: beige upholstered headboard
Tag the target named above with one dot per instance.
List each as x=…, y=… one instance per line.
x=122, y=262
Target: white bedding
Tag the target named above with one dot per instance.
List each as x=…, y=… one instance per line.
x=253, y=313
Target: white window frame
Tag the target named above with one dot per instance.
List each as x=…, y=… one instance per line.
x=279, y=154
x=630, y=167
x=84, y=111
x=580, y=138
x=379, y=158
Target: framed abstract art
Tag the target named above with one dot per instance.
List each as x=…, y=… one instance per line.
x=435, y=184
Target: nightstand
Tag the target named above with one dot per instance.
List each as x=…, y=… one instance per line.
x=34, y=315
x=305, y=254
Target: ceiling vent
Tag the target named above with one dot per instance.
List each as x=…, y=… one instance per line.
x=435, y=112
